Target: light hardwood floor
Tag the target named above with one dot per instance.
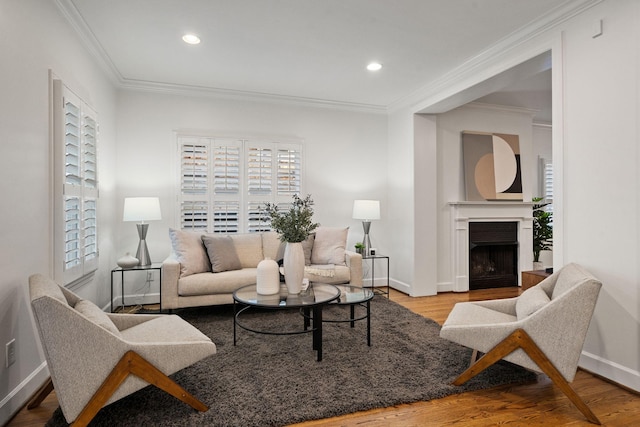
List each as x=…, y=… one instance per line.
x=540, y=403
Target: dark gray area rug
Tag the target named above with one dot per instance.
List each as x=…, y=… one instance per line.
x=269, y=380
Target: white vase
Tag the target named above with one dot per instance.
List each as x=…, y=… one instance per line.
x=127, y=261
x=293, y=266
x=268, y=277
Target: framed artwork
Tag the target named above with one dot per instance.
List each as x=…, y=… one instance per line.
x=492, y=167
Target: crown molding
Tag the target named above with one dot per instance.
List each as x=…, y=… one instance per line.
x=475, y=68
x=238, y=95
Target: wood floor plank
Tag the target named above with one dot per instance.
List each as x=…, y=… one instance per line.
x=539, y=403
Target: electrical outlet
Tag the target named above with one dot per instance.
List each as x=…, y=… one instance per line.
x=11, y=352
x=150, y=276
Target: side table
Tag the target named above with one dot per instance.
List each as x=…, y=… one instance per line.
x=373, y=259
x=154, y=266
x=532, y=278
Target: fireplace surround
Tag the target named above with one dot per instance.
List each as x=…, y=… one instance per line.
x=463, y=214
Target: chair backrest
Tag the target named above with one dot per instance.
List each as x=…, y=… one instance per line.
x=79, y=352
x=560, y=327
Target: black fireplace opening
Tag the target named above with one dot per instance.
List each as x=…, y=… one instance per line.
x=493, y=254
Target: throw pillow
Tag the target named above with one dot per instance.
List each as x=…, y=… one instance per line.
x=307, y=247
x=222, y=253
x=329, y=245
x=530, y=301
x=189, y=251
x=95, y=315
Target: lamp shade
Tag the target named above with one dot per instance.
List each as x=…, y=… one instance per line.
x=141, y=209
x=366, y=209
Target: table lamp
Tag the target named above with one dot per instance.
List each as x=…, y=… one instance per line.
x=366, y=210
x=142, y=209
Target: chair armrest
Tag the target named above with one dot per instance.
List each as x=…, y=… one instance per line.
x=353, y=260
x=126, y=321
x=505, y=305
x=169, y=284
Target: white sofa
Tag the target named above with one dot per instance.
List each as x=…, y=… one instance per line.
x=189, y=280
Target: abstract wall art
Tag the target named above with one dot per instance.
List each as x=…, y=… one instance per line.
x=492, y=168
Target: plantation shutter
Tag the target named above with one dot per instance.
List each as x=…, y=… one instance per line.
x=225, y=182
x=546, y=173
x=289, y=170
x=76, y=186
x=194, y=184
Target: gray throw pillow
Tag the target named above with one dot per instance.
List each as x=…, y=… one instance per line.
x=222, y=253
x=95, y=315
x=531, y=300
x=329, y=245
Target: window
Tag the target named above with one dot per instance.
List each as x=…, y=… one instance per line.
x=546, y=182
x=75, y=137
x=225, y=181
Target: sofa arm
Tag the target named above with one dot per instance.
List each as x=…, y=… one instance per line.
x=354, y=262
x=169, y=284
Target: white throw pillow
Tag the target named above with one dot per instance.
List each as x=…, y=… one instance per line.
x=189, y=251
x=531, y=300
x=329, y=245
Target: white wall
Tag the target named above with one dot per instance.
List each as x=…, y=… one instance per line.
x=344, y=154
x=33, y=39
x=450, y=177
x=542, y=148
x=596, y=160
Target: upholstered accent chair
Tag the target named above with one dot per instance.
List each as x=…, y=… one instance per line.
x=543, y=329
x=95, y=358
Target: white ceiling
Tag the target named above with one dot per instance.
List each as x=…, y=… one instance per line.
x=300, y=49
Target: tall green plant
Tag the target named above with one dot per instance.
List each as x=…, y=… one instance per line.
x=294, y=224
x=542, y=228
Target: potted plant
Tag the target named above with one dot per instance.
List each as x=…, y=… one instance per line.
x=542, y=228
x=293, y=225
x=359, y=248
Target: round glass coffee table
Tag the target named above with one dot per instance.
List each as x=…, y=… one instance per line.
x=355, y=296
x=310, y=301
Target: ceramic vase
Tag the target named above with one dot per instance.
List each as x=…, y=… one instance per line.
x=293, y=266
x=268, y=277
x=127, y=261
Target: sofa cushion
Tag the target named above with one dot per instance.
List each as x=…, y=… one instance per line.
x=95, y=315
x=189, y=251
x=222, y=253
x=272, y=246
x=531, y=300
x=249, y=249
x=216, y=283
x=329, y=245
x=307, y=247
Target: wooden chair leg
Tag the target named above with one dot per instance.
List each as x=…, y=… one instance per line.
x=520, y=339
x=41, y=394
x=132, y=363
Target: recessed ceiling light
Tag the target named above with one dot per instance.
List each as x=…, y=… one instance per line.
x=374, y=66
x=191, y=39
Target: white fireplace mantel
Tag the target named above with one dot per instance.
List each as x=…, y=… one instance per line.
x=462, y=213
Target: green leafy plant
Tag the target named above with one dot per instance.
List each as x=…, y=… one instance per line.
x=542, y=228
x=359, y=247
x=294, y=224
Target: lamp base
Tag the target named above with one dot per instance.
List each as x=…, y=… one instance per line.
x=143, y=253
x=366, y=242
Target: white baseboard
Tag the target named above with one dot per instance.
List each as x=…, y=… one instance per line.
x=16, y=399
x=610, y=370
x=445, y=287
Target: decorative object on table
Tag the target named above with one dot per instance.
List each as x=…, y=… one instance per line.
x=293, y=226
x=142, y=209
x=268, y=277
x=127, y=261
x=542, y=230
x=366, y=210
x=492, y=169
x=359, y=248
